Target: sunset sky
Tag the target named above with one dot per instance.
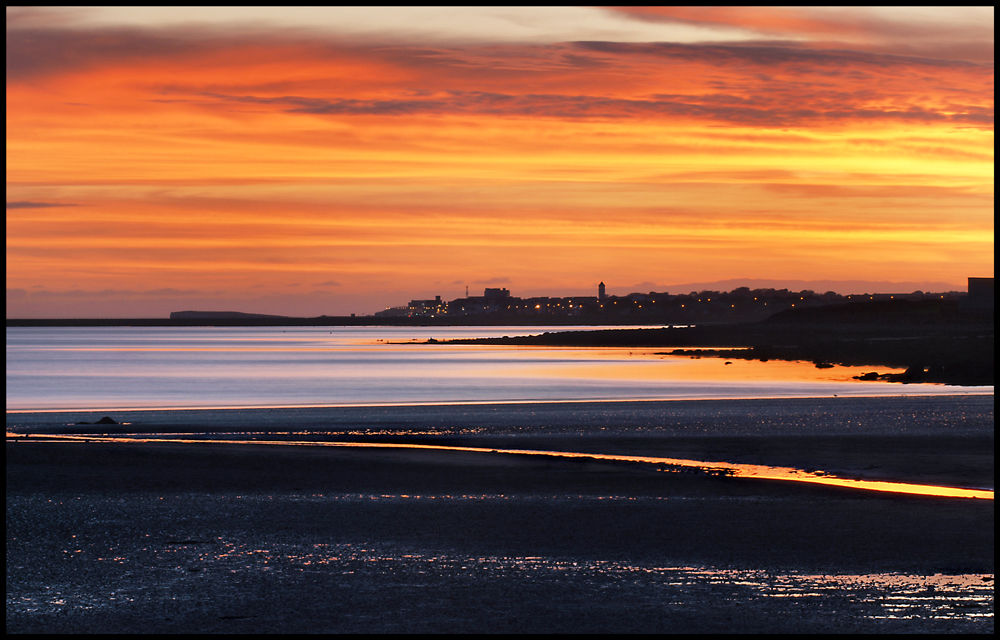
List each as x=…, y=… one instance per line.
x=306, y=161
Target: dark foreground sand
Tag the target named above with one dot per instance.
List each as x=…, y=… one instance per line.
x=245, y=538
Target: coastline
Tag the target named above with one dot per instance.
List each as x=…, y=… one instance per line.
x=952, y=354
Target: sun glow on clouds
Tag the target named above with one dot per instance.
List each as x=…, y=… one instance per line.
x=222, y=166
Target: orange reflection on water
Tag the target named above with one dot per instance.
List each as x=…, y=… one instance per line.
x=622, y=363
x=726, y=468
x=729, y=469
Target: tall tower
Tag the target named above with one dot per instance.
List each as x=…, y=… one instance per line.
x=600, y=292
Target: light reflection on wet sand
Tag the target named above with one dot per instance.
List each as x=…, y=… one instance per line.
x=877, y=596
x=886, y=595
x=728, y=469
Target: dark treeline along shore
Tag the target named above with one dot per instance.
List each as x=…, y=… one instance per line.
x=933, y=340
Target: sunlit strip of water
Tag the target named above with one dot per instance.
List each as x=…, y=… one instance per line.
x=728, y=469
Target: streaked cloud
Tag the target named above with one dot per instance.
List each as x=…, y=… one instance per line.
x=727, y=108
x=119, y=293
x=37, y=205
x=457, y=26
x=496, y=280
x=961, y=33
x=223, y=159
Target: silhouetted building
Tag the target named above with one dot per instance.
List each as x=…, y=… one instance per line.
x=980, y=293
x=742, y=304
x=496, y=294
x=393, y=312
x=433, y=307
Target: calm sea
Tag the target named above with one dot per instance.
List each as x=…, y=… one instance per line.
x=59, y=369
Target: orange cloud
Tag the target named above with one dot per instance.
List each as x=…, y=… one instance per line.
x=237, y=166
x=965, y=38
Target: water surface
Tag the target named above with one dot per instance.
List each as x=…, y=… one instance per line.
x=103, y=368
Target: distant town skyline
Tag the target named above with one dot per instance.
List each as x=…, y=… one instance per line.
x=741, y=304
x=329, y=161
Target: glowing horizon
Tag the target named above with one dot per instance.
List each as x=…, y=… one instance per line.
x=305, y=163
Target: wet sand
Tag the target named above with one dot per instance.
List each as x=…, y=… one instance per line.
x=163, y=537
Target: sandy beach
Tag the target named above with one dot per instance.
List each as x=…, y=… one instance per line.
x=218, y=537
